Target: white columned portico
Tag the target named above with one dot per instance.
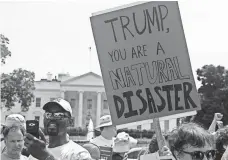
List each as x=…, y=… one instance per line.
x=80, y=113
x=98, y=108
x=62, y=94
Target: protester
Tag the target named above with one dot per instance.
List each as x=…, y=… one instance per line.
x=94, y=150
x=108, y=132
x=56, y=120
x=217, y=117
x=192, y=142
x=221, y=137
x=122, y=144
x=12, y=120
x=14, y=142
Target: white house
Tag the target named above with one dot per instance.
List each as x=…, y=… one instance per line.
x=86, y=94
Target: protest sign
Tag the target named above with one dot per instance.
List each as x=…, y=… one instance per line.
x=106, y=153
x=144, y=61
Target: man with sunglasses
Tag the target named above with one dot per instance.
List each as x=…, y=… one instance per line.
x=56, y=120
x=192, y=142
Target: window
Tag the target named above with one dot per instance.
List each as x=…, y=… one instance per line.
x=139, y=127
x=105, y=104
x=89, y=104
x=38, y=102
x=37, y=118
x=52, y=99
x=72, y=102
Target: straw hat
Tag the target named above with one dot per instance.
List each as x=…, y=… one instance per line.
x=105, y=121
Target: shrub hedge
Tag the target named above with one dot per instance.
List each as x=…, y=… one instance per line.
x=73, y=131
x=135, y=133
x=78, y=131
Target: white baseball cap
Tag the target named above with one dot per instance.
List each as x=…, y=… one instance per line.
x=62, y=103
x=15, y=119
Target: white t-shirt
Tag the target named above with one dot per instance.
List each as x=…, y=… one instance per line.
x=101, y=141
x=68, y=151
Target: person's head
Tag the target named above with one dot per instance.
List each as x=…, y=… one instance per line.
x=57, y=117
x=221, y=138
x=109, y=131
x=15, y=119
x=106, y=127
x=192, y=142
x=93, y=149
x=14, y=139
x=123, y=143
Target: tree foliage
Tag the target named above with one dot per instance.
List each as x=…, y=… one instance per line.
x=214, y=94
x=4, y=49
x=18, y=87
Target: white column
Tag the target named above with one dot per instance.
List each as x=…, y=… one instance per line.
x=62, y=94
x=166, y=126
x=80, y=108
x=98, y=108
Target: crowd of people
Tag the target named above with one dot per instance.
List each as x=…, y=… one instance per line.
x=189, y=141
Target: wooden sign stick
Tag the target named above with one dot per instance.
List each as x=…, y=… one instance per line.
x=160, y=139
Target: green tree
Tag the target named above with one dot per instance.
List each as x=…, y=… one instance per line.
x=4, y=41
x=18, y=87
x=214, y=93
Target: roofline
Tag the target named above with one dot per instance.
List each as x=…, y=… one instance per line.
x=83, y=75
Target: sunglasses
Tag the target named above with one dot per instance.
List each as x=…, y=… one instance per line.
x=56, y=116
x=198, y=155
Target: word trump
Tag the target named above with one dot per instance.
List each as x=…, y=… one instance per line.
x=155, y=100
x=153, y=20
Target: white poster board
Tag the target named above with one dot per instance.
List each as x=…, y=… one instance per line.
x=144, y=61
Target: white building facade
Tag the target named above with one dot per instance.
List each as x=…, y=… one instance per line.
x=86, y=95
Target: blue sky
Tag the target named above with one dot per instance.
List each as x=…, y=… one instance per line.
x=55, y=36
